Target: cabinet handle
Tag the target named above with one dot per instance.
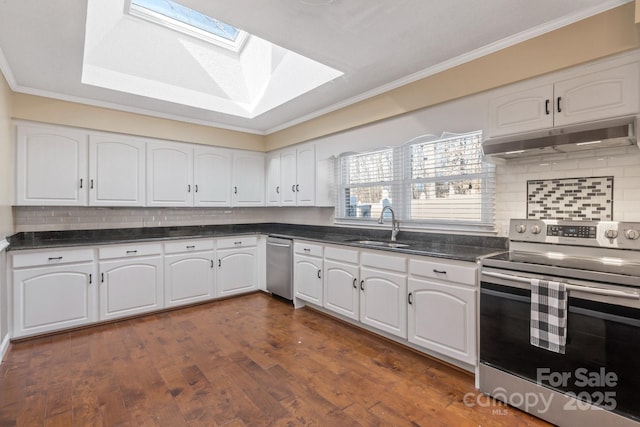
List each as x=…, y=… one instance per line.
x=362, y=285
x=196, y=186
x=355, y=283
x=191, y=246
x=81, y=182
x=91, y=184
x=278, y=189
x=307, y=249
x=235, y=190
x=132, y=252
x=219, y=263
x=55, y=258
x=439, y=271
x=546, y=107
x=90, y=278
x=409, y=298
x=211, y=263
x=188, y=188
x=559, y=109
x=319, y=276
x=293, y=188
x=102, y=277
x=237, y=243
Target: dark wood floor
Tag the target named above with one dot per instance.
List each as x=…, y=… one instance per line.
x=247, y=361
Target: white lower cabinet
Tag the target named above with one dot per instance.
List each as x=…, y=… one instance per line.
x=188, y=272
x=442, y=307
x=132, y=282
x=49, y=295
x=383, y=291
x=237, y=265
x=341, y=283
x=307, y=272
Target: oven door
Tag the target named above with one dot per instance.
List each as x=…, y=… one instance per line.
x=601, y=364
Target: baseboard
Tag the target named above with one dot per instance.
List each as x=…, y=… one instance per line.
x=4, y=347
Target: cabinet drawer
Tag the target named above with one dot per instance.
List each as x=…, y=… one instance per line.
x=52, y=257
x=188, y=246
x=444, y=270
x=340, y=254
x=129, y=251
x=305, y=248
x=380, y=260
x=237, y=242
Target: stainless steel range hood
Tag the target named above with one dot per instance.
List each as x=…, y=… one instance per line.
x=587, y=136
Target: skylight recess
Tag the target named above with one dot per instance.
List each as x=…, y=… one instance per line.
x=189, y=21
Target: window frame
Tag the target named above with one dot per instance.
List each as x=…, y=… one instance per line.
x=401, y=187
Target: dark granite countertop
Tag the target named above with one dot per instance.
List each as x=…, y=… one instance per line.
x=443, y=245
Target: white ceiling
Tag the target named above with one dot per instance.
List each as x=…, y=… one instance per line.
x=378, y=44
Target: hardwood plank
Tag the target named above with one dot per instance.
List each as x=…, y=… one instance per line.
x=248, y=361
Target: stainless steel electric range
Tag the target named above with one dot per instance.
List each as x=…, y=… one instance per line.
x=596, y=382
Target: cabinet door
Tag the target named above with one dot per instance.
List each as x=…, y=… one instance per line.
x=116, y=171
x=442, y=318
x=272, y=188
x=288, y=177
x=383, y=300
x=341, y=288
x=595, y=96
x=307, y=278
x=169, y=174
x=237, y=271
x=53, y=298
x=248, y=179
x=51, y=167
x=189, y=278
x=523, y=111
x=306, y=176
x=130, y=286
x=212, y=177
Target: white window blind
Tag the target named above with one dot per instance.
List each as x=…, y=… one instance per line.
x=429, y=182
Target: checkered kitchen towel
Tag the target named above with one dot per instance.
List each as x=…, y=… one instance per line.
x=549, y=315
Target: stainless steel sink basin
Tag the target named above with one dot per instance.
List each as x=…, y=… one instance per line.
x=380, y=243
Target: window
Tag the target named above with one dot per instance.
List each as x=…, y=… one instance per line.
x=189, y=21
x=429, y=182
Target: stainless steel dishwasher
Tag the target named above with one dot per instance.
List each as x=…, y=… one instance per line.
x=280, y=267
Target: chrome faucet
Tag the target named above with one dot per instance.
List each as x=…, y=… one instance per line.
x=395, y=225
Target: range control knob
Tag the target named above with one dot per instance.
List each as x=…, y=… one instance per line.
x=535, y=229
x=521, y=228
x=611, y=234
x=632, y=234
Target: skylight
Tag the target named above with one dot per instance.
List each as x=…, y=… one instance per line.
x=153, y=49
x=189, y=21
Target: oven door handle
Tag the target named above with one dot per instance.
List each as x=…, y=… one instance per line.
x=570, y=287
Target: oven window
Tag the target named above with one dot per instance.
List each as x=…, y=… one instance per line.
x=601, y=364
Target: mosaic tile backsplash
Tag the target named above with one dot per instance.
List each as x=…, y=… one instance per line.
x=588, y=199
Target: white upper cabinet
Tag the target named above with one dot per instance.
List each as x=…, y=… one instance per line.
x=288, y=178
x=598, y=95
x=116, y=171
x=306, y=175
x=272, y=187
x=296, y=183
x=248, y=179
x=169, y=174
x=51, y=166
x=212, y=176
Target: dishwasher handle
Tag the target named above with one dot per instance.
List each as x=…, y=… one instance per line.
x=280, y=245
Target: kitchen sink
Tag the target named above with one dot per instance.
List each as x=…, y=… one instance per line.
x=380, y=243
